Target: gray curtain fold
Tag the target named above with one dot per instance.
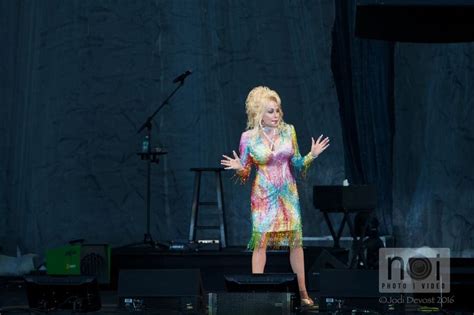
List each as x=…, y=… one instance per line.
x=364, y=77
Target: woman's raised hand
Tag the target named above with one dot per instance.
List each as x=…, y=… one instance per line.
x=318, y=146
x=232, y=163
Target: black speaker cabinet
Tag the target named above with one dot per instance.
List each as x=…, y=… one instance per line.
x=325, y=260
x=267, y=293
x=251, y=303
x=459, y=299
x=51, y=293
x=95, y=260
x=416, y=20
x=171, y=290
x=351, y=288
x=265, y=282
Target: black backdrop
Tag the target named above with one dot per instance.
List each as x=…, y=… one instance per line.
x=363, y=72
x=79, y=77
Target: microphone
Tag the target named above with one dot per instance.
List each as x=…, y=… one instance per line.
x=182, y=76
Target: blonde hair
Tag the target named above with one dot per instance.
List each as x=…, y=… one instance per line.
x=255, y=105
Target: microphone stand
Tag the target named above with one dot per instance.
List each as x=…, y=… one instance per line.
x=152, y=157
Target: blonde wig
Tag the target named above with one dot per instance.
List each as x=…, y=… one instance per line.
x=255, y=106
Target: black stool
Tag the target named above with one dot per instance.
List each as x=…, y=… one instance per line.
x=219, y=204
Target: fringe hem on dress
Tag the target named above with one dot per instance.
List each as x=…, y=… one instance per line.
x=276, y=240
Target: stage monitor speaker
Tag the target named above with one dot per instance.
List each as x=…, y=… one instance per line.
x=265, y=282
x=160, y=289
x=325, y=260
x=260, y=285
x=357, y=288
x=459, y=299
x=80, y=259
x=349, y=283
x=251, y=303
x=50, y=293
x=434, y=21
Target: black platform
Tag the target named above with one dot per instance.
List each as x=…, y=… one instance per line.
x=213, y=264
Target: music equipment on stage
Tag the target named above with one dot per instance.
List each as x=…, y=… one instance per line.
x=415, y=20
x=50, y=293
x=346, y=200
x=459, y=298
x=80, y=259
x=269, y=293
x=152, y=156
x=325, y=260
x=183, y=246
x=149, y=156
x=262, y=303
x=265, y=282
x=198, y=246
x=349, y=288
x=349, y=283
x=160, y=289
x=209, y=245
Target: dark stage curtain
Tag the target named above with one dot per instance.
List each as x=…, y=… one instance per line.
x=434, y=146
x=364, y=76
x=79, y=77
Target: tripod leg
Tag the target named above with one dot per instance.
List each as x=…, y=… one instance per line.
x=194, y=210
x=220, y=206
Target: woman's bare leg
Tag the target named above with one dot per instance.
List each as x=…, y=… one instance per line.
x=259, y=258
x=297, y=264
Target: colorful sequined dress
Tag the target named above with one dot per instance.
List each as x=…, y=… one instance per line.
x=276, y=215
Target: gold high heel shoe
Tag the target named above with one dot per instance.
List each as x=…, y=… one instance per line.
x=306, y=302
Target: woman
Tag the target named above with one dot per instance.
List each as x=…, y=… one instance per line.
x=270, y=145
